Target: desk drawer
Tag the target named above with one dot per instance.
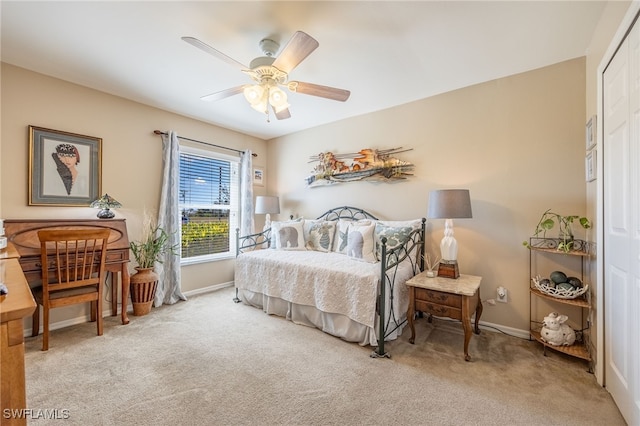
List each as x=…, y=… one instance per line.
x=438, y=310
x=439, y=298
x=33, y=263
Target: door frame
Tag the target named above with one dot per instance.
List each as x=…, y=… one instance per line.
x=625, y=26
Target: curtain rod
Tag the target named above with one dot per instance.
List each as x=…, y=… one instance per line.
x=158, y=132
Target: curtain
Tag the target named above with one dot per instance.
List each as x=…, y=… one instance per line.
x=169, y=287
x=246, y=194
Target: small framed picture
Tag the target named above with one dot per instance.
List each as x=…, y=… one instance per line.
x=64, y=168
x=258, y=177
x=590, y=166
x=590, y=133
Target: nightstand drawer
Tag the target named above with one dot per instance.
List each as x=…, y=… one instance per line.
x=439, y=298
x=438, y=310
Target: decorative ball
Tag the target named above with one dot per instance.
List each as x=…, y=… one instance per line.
x=558, y=277
x=564, y=286
x=547, y=282
x=574, y=281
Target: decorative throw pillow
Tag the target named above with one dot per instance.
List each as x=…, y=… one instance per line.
x=289, y=235
x=413, y=224
x=319, y=234
x=396, y=236
x=360, y=242
x=274, y=234
x=342, y=234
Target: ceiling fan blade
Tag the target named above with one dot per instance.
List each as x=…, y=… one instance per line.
x=282, y=115
x=318, y=90
x=223, y=94
x=299, y=47
x=214, y=52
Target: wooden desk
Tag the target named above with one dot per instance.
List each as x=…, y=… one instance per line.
x=446, y=297
x=14, y=306
x=23, y=234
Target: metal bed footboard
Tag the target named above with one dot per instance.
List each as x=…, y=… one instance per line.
x=411, y=251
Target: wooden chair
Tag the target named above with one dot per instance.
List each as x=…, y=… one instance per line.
x=73, y=272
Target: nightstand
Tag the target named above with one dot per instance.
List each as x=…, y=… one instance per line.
x=445, y=297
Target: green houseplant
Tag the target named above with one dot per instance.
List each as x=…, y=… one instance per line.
x=150, y=249
x=550, y=219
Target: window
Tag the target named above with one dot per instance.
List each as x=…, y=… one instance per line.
x=209, y=191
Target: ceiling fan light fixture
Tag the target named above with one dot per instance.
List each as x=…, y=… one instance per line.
x=278, y=99
x=256, y=95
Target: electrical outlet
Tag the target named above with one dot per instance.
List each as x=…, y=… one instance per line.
x=502, y=295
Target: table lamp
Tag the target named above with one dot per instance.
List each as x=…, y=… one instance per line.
x=105, y=203
x=267, y=205
x=449, y=204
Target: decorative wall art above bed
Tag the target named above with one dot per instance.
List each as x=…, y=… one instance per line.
x=367, y=164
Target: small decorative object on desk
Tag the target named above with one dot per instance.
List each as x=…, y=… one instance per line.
x=432, y=265
x=105, y=203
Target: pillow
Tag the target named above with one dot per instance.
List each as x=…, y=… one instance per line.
x=360, y=242
x=290, y=235
x=342, y=232
x=414, y=224
x=274, y=234
x=319, y=234
x=396, y=236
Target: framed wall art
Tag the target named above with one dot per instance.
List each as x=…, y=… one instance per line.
x=590, y=133
x=258, y=177
x=590, y=166
x=64, y=168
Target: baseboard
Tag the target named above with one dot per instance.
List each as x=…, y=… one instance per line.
x=498, y=328
x=208, y=289
x=107, y=310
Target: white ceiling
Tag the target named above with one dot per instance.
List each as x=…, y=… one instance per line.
x=385, y=53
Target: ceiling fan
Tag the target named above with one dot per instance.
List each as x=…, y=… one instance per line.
x=270, y=72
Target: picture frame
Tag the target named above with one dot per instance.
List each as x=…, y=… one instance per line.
x=590, y=134
x=590, y=166
x=258, y=176
x=65, y=169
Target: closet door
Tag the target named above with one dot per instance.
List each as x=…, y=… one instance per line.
x=621, y=155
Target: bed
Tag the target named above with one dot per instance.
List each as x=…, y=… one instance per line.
x=350, y=285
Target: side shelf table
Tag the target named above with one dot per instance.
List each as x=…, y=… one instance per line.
x=446, y=297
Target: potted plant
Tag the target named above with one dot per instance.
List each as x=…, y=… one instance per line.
x=549, y=219
x=150, y=249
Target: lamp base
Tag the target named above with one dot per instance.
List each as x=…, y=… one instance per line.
x=448, y=269
x=106, y=214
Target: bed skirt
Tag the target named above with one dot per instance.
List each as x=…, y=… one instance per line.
x=335, y=324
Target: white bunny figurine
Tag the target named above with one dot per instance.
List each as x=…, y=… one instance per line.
x=555, y=332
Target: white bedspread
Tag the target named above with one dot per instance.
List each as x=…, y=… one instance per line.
x=331, y=282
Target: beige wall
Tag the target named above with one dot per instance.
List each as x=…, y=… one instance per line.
x=131, y=153
x=517, y=143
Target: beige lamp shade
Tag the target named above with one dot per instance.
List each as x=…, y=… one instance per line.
x=266, y=205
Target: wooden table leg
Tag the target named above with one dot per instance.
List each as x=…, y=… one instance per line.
x=466, y=325
x=411, y=313
x=478, y=312
x=125, y=292
x=114, y=294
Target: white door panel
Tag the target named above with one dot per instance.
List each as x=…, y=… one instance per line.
x=621, y=225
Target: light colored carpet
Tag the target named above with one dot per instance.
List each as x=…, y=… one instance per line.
x=209, y=361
